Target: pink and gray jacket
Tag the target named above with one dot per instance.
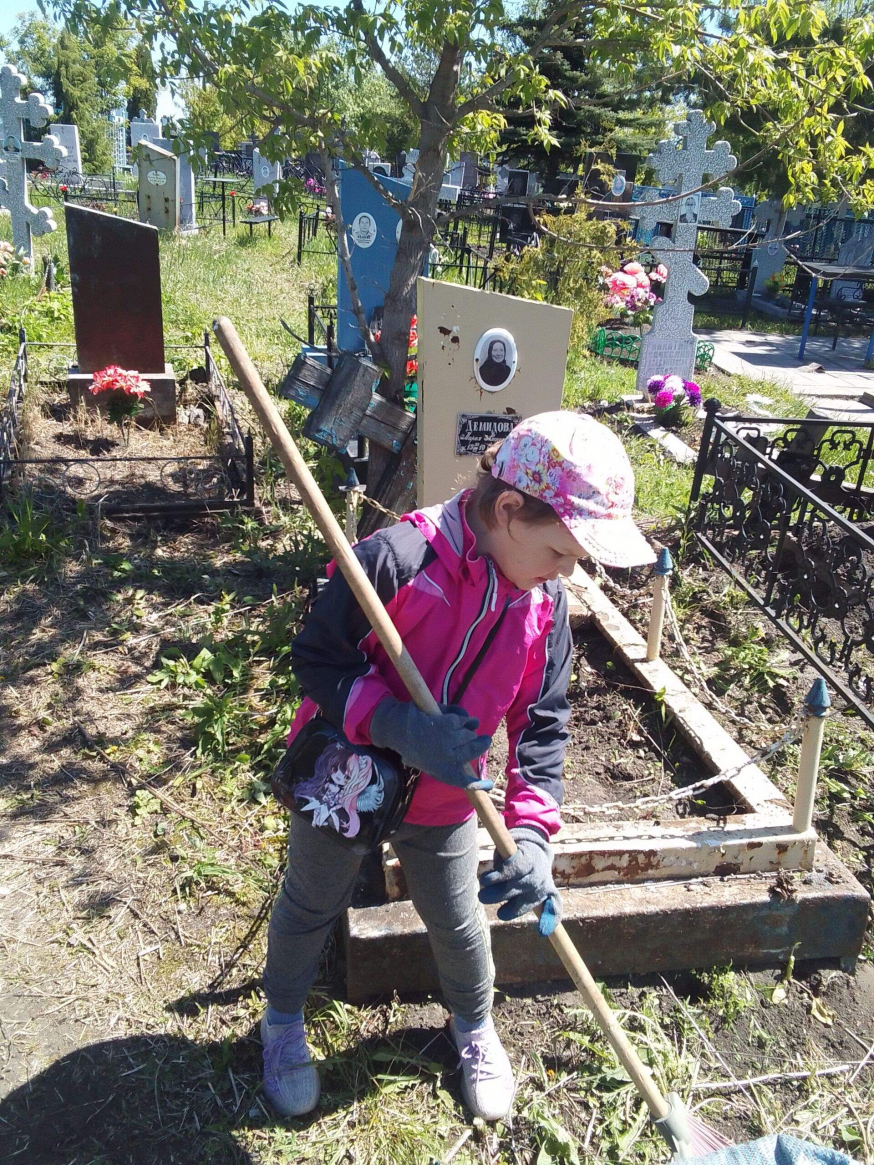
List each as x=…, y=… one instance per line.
x=444, y=602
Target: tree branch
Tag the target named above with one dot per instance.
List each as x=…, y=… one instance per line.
x=401, y=82
x=212, y=69
x=558, y=20
x=343, y=251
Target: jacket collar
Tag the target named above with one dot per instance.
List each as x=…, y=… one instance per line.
x=446, y=529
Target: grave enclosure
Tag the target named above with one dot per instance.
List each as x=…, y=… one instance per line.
x=653, y=893
x=73, y=454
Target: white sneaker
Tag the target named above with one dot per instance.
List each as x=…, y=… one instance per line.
x=290, y=1077
x=487, y=1082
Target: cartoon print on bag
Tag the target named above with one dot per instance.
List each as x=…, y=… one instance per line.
x=338, y=790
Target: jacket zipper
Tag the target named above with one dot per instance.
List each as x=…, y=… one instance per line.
x=493, y=584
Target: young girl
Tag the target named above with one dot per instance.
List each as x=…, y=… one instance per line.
x=559, y=487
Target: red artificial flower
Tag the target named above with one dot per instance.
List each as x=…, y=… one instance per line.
x=412, y=367
x=233, y=194
x=115, y=379
x=63, y=190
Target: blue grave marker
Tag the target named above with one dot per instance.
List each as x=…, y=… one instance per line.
x=373, y=230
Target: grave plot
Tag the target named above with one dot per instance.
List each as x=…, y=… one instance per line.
x=650, y=879
x=65, y=453
x=107, y=421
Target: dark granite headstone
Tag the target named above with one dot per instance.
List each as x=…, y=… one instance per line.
x=115, y=276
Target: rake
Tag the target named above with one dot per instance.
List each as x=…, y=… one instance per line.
x=686, y=1135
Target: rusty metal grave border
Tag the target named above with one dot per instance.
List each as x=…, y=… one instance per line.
x=760, y=839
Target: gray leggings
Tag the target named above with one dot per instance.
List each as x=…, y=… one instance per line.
x=439, y=864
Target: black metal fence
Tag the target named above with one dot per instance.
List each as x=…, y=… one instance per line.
x=134, y=485
x=313, y=236
x=12, y=409
x=787, y=511
x=321, y=324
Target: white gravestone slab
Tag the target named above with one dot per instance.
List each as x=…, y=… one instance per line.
x=484, y=360
x=118, y=136
x=68, y=137
x=187, y=206
x=158, y=186
x=14, y=150
x=670, y=345
x=142, y=129
x=265, y=173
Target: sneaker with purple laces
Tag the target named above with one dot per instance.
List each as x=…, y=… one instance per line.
x=290, y=1077
x=487, y=1082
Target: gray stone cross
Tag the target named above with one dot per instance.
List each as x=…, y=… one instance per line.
x=14, y=150
x=670, y=346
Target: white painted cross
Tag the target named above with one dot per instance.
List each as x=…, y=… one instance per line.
x=26, y=219
x=684, y=167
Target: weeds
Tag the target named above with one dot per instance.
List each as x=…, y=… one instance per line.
x=32, y=540
x=748, y=661
x=726, y=992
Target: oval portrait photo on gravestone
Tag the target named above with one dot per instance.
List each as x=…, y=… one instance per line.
x=363, y=230
x=494, y=360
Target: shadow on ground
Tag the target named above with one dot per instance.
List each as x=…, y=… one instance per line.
x=167, y=1100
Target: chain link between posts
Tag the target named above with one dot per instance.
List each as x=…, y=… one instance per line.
x=378, y=506
x=628, y=808
x=612, y=808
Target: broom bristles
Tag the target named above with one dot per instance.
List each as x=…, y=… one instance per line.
x=704, y=1139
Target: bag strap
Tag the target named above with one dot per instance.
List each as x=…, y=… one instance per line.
x=480, y=655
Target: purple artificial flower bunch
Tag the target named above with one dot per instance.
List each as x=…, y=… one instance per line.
x=669, y=391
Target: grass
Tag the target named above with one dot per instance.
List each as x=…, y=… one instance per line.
x=140, y=859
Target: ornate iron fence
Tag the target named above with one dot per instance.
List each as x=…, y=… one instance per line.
x=625, y=347
x=12, y=409
x=136, y=485
x=781, y=515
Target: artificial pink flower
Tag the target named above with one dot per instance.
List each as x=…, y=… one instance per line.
x=660, y=274
x=621, y=284
x=643, y=281
x=674, y=384
x=115, y=379
x=664, y=399
x=633, y=269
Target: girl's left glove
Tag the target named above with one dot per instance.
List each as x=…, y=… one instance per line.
x=524, y=880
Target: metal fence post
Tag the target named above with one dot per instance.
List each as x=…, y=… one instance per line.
x=249, y=446
x=816, y=705
x=661, y=575
x=751, y=283
x=299, y=237
x=311, y=322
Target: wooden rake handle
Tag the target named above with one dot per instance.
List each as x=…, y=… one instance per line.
x=373, y=608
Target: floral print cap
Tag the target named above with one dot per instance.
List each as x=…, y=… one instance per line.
x=580, y=468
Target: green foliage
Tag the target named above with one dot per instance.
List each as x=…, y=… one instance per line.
x=564, y=268
x=596, y=114
x=747, y=660
x=31, y=538
x=728, y=993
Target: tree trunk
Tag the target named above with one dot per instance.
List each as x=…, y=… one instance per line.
x=400, y=302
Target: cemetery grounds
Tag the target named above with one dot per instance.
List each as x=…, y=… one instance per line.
x=145, y=693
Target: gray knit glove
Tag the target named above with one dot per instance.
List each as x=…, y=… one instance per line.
x=440, y=746
x=524, y=880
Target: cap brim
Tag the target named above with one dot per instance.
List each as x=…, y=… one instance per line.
x=613, y=542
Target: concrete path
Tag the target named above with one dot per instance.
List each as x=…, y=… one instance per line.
x=763, y=356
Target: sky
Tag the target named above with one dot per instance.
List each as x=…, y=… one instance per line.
x=10, y=10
